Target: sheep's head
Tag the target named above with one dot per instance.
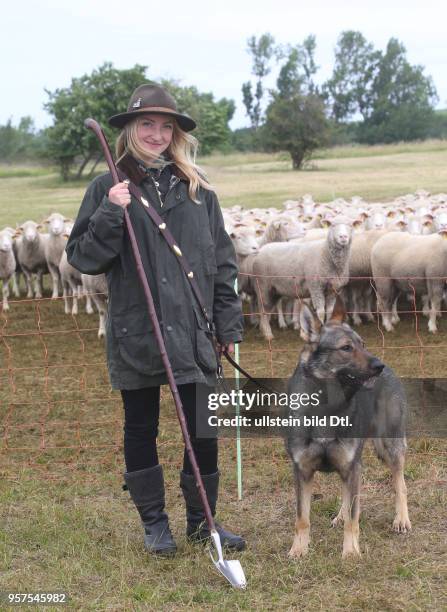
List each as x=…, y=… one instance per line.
x=30, y=230
x=5, y=241
x=245, y=239
x=340, y=230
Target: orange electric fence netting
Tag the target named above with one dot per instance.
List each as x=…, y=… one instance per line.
x=58, y=412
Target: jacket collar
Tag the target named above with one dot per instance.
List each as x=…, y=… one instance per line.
x=131, y=168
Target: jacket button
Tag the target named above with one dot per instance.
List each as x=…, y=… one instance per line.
x=169, y=327
x=178, y=197
x=164, y=279
x=124, y=330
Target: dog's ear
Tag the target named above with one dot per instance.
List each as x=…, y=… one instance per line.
x=310, y=325
x=339, y=312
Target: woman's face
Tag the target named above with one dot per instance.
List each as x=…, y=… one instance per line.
x=154, y=133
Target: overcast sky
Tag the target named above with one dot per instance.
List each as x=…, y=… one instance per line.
x=44, y=43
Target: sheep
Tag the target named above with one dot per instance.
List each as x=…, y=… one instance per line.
x=7, y=264
x=359, y=292
x=95, y=286
x=31, y=255
x=404, y=262
x=54, y=247
x=15, y=277
x=314, y=269
x=282, y=229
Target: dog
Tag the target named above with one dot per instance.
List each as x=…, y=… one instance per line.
x=358, y=387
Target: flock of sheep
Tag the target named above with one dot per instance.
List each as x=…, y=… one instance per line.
x=29, y=252
x=372, y=253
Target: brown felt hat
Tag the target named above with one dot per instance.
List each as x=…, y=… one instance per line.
x=150, y=98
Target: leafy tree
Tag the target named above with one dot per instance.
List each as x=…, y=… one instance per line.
x=101, y=94
x=297, y=73
x=18, y=143
x=403, y=100
x=295, y=120
x=350, y=90
x=212, y=117
x=262, y=51
x=394, y=99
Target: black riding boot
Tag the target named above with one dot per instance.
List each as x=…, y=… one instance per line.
x=146, y=488
x=197, y=529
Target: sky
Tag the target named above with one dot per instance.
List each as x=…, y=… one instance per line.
x=45, y=43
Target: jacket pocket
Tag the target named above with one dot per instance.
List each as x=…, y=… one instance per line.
x=205, y=353
x=137, y=343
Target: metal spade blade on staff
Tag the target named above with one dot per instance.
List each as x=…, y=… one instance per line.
x=232, y=570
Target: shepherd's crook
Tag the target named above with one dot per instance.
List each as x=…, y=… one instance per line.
x=232, y=570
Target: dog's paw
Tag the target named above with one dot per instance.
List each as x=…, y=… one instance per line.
x=401, y=524
x=351, y=554
x=296, y=552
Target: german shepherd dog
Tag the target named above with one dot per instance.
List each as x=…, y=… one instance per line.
x=369, y=394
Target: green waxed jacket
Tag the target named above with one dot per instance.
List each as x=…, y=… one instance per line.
x=99, y=243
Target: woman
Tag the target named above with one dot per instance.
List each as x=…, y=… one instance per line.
x=156, y=152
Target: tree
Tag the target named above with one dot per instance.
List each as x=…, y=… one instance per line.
x=394, y=99
x=349, y=91
x=262, y=51
x=295, y=120
x=403, y=100
x=212, y=117
x=298, y=125
x=100, y=95
x=297, y=73
x=18, y=143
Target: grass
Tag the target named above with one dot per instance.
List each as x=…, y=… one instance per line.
x=66, y=523
x=257, y=179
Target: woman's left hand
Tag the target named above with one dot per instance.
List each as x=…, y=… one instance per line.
x=229, y=348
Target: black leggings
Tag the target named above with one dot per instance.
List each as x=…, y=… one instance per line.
x=141, y=414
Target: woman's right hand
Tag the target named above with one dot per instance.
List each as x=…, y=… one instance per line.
x=119, y=194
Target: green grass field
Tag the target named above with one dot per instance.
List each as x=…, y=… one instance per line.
x=66, y=523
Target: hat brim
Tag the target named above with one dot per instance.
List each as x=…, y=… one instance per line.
x=186, y=123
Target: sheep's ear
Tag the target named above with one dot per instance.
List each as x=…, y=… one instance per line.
x=357, y=223
x=325, y=223
x=39, y=226
x=339, y=312
x=310, y=325
x=259, y=232
x=45, y=221
x=232, y=235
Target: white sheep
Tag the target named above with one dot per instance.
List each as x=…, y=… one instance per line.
x=31, y=255
x=7, y=264
x=414, y=264
x=314, y=269
x=95, y=287
x=54, y=247
x=16, y=275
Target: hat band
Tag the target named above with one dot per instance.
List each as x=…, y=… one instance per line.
x=153, y=109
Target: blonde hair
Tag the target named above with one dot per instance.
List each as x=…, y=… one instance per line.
x=182, y=151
